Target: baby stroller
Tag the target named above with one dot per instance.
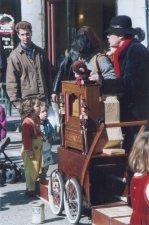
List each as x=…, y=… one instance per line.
x=10, y=172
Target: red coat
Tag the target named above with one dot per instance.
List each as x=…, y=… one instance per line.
x=30, y=130
x=140, y=203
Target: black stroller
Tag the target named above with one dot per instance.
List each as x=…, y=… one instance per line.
x=10, y=172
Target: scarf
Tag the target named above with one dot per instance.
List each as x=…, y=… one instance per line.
x=29, y=51
x=116, y=56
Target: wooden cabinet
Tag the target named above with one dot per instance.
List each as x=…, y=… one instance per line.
x=81, y=101
x=100, y=177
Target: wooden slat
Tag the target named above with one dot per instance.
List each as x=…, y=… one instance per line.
x=91, y=151
x=127, y=124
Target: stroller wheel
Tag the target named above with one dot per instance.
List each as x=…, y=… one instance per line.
x=10, y=175
x=2, y=179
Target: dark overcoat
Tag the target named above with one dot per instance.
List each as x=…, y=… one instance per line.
x=65, y=72
x=132, y=86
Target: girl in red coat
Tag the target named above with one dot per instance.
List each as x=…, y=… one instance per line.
x=32, y=142
x=139, y=187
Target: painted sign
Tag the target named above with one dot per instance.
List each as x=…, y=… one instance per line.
x=7, y=31
x=6, y=24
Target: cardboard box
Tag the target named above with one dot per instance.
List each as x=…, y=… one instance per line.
x=124, y=220
x=111, y=214
x=112, y=114
x=112, y=109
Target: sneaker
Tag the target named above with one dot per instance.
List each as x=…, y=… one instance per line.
x=51, y=162
x=30, y=193
x=42, y=177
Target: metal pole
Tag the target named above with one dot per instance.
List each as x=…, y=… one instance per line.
x=68, y=23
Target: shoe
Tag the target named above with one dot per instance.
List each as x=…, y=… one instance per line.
x=42, y=177
x=26, y=192
x=51, y=162
x=30, y=193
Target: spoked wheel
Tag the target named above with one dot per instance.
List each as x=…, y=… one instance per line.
x=73, y=200
x=56, y=192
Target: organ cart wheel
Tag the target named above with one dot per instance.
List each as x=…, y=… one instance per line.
x=73, y=200
x=56, y=192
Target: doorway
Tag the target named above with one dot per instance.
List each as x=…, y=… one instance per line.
x=69, y=15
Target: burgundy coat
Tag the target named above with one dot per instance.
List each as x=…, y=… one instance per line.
x=3, y=123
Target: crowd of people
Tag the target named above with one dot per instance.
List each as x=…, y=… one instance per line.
x=28, y=84
x=122, y=71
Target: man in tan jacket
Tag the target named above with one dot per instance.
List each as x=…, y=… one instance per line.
x=28, y=70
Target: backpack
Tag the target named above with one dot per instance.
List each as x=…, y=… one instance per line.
x=96, y=68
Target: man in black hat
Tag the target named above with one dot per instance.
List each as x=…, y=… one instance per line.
x=131, y=66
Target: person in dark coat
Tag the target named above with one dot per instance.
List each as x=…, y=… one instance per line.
x=87, y=47
x=131, y=66
x=140, y=34
x=65, y=72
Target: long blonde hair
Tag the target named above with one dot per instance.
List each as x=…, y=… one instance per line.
x=139, y=156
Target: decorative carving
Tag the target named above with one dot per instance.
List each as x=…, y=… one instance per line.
x=83, y=124
x=62, y=118
x=81, y=114
x=74, y=138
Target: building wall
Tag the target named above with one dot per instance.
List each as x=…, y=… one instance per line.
x=136, y=9
x=32, y=11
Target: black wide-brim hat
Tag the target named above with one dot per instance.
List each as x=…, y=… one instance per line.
x=121, y=25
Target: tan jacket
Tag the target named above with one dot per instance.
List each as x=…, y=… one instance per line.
x=27, y=78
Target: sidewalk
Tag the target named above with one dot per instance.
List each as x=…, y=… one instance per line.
x=15, y=207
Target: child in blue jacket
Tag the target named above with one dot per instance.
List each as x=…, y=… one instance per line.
x=48, y=134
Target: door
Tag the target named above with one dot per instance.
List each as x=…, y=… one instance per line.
x=64, y=17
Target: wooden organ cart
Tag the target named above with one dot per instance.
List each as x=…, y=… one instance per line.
x=85, y=176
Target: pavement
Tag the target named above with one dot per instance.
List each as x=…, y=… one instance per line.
x=15, y=206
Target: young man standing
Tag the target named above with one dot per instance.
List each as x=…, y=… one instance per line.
x=28, y=70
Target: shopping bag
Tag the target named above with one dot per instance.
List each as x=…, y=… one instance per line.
x=46, y=154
